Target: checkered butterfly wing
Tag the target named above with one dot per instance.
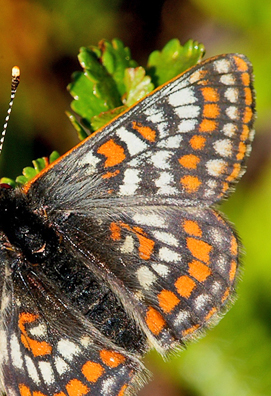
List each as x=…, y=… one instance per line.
x=185, y=143
x=49, y=349
x=136, y=196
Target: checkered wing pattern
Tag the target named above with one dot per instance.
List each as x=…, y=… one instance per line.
x=49, y=350
x=185, y=144
x=174, y=268
x=137, y=195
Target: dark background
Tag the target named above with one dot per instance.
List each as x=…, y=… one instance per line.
x=43, y=37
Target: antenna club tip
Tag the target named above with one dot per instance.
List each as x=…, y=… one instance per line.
x=16, y=72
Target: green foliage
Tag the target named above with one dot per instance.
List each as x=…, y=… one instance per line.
x=111, y=81
x=29, y=172
x=173, y=60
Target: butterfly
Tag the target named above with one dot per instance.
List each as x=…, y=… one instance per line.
x=116, y=247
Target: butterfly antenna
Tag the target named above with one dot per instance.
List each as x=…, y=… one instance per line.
x=14, y=85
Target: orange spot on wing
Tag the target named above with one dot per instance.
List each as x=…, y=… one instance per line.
x=241, y=151
x=145, y=131
x=155, y=321
x=199, y=270
x=76, y=388
x=185, y=286
x=167, y=300
x=248, y=96
x=108, y=175
x=190, y=183
x=235, y=173
x=38, y=348
x=24, y=390
x=190, y=330
x=38, y=393
x=207, y=126
x=121, y=392
x=225, y=295
x=247, y=115
x=245, y=78
x=114, y=153
x=211, y=111
x=210, y=94
x=240, y=63
x=197, y=142
x=59, y=394
x=199, y=249
x=115, y=231
x=233, y=270
x=192, y=228
x=245, y=133
x=111, y=358
x=92, y=371
x=189, y=161
x=146, y=245
x=210, y=313
x=234, y=246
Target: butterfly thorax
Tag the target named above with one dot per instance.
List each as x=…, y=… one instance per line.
x=23, y=228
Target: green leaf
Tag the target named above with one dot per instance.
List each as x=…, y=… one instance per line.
x=173, y=59
x=81, y=132
x=7, y=180
x=30, y=172
x=86, y=104
x=137, y=84
x=100, y=87
x=103, y=118
x=116, y=58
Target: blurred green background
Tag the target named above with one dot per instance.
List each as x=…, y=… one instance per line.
x=43, y=37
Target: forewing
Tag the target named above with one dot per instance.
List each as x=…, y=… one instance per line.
x=49, y=349
x=183, y=144
x=173, y=268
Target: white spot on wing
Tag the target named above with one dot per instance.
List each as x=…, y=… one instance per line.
x=182, y=97
x=216, y=167
x=181, y=317
x=187, y=125
x=222, y=66
x=61, y=366
x=169, y=255
x=134, y=144
x=231, y=94
x=227, y=79
x=145, y=277
x=3, y=347
x=128, y=244
x=46, y=372
x=223, y=147
x=16, y=355
x=130, y=182
x=38, y=331
x=161, y=269
x=189, y=111
x=232, y=112
x=229, y=129
x=201, y=301
x=160, y=159
x=163, y=183
x=151, y=219
x=166, y=237
x=171, y=142
x=32, y=371
x=107, y=386
x=68, y=349
x=90, y=160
